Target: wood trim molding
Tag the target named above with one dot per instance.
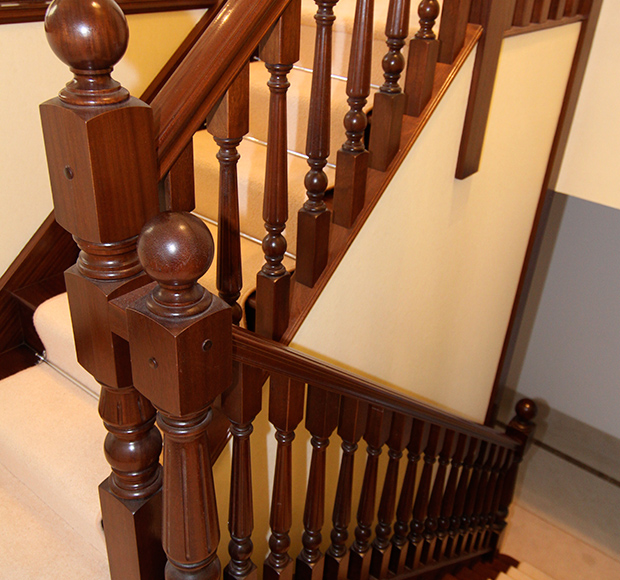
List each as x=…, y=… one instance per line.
x=17, y=11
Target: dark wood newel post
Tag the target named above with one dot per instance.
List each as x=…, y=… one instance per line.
x=102, y=165
x=180, y=338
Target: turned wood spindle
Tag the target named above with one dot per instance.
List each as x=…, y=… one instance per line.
x=523, y=12
x=376, y=434
x=228, y=124
x=540, y=13
x=498, y=522
x=454, y=18
x=351, y=427
x=286, y=407
x=420, y=507
x=556, y=9
x=400, y=434
x=279, y=50
x=486, y=519
x=572, y=7
x=423, y=54
x=352, y=158
x=389, y=102
x=179, y=184
x=419, y=435
x=321, y=420
x=476, y=522
x=180, y=337
x=93, y=113
x=314, y=217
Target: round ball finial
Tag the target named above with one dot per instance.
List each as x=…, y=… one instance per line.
x=90, y=37
x=176, y=249
x=526, y=410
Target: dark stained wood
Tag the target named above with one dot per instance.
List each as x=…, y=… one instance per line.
x=279, y=50
x=302, y=297
x=228, y=123
x=488, y=508
x=400, y=436
x=321, y=420
x=17, y=359
x=572, y=7
x=556, y=9
x=423, y=53
x=286, y=406
x=419, y=435
x=535, y=26
x=541, y=10
x=454, y=18
x=179, y=183
x=494, y=19
x=314, y=217
x=376, y=434
x=499, y=511
x=591, y=11
x=476, y=523
x=523, y=12
x=352, y=158
x=351, y=426
x=389, y=103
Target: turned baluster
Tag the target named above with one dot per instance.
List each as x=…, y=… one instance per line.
x=314, y=217
x=321, y=419
x=419, y=435
x=476, y=522
x=472, y=494
x=352, y=158
x=241, y=402
x=180, y=339
x=286, y=407
x=449, y=497
x=423, y=53
x=454, y=18
x=523, y=12
x=460, y=498
x=389, y=103
x=279, y=50
x=571, y=7
x=486, y=519
x=400, y=435
x=420, y=508
x=556, y=9
x=541, y=11
x=431, y=523
x=376, y=434
x=498, y=522
x=94, y=114
x=351, y=426
x=228, y=123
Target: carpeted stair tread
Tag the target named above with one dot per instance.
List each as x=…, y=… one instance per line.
x=251, y=171
x=35, y=542
x=533, y=572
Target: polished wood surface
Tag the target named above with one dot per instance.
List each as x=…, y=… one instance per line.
x=454, y=18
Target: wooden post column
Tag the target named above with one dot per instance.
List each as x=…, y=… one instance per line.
x=180, y=338
x=102, y=165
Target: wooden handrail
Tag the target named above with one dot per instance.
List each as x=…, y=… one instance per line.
x=207, y=71
x=273, y=357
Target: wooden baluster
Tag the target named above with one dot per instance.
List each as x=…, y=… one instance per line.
x=279, y=50
x=521, y=428
x=556, y=9
x=475, y=523
x=423, y=53
x=178, y=185
x=400, y=435
x=228, y=123
x=314, y=217
x=449, y=497
x=486, y=520
x=389, y=103
x=321, y=419
x=498, y=522
x=241, y=402
x=472, y=494
x=180, y=337
x=456, y=520
x=352, y=158
x=523, y=12
x=376, y=434
x=93, y=113
x=431, y=524
x=286, y=409
x=454, y=18
x=419, y=435
x=541, y=10
x=351, y=426
x=420, y=507
x=571, y=8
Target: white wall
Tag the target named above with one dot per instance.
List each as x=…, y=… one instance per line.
x=30, y=74
x=422, y=299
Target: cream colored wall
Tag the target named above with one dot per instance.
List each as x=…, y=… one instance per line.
x=422, y=299
x=590, y=162
x=30, y=74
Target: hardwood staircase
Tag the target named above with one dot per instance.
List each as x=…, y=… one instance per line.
x=149, y=344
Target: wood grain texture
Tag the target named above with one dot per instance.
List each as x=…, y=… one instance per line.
x=454, y=17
